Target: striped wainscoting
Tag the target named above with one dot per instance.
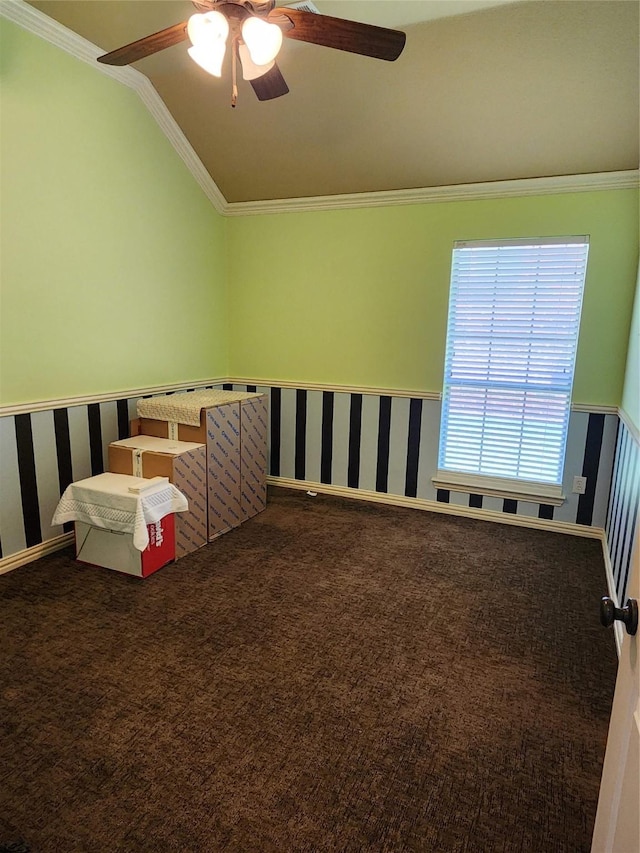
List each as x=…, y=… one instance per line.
x=41, y=452
x=373, y=445
x=622, y=516
x=388, y=445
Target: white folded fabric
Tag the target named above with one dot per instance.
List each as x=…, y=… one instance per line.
x=184, y=408
x=105, y=501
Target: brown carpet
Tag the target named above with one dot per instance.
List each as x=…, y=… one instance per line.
x=332, y=676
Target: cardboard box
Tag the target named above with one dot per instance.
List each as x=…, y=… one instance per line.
x=220, y=431
x=235, y=433
x=223, y=468
x=253, y=456
x=112, y=550
x=184, y=463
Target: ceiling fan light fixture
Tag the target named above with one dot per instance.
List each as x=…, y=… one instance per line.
x=208, y=34
x=263, y=40
x=207, y=29
x=210, y=59
x=251, y=71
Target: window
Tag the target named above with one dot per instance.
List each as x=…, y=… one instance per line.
x=514, y=315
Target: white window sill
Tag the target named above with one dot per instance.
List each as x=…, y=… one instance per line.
x=519, y=490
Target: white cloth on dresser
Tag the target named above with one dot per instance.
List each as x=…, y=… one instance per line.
x=184, y=408
x=105, y=501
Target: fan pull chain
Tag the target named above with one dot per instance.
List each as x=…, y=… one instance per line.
x=234, y=82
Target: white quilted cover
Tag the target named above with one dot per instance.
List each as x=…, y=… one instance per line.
x=184, y=408
x=105, y=501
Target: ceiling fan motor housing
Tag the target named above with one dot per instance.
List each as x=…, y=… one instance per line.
x=260, y=8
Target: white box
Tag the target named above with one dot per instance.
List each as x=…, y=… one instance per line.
x=113, y=550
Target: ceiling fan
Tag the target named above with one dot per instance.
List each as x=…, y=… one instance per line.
x=257, y=28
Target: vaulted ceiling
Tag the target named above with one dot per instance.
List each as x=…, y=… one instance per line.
x=483, y=91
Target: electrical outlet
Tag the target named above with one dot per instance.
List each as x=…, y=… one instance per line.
x=579, y=485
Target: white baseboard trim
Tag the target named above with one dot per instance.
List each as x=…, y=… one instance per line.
x=28, y=555
x=436, y=506
x=14, y=561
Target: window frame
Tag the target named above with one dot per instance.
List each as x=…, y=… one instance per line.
x=507, y=487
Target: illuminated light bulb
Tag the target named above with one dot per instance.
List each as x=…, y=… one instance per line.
x=251, y=71
x=195, y=26
x=207, y=28
x=262, y=39
x=210, y=59
x=208, y=34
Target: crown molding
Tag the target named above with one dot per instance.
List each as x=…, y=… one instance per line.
x=36, y=22
x=39, y=24
x=176, y=137
x=629, y=179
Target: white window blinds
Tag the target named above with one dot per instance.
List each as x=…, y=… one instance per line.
x=514, y=315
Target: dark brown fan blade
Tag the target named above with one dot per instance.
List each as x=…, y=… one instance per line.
x=378, y=42
x=146, y=46
x=271, y=85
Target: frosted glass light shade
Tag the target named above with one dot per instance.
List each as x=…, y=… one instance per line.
x=209, y=58
x=208, y=34
x=207, y=28
x=251, y=71
x=263, y=40
x=195, y=25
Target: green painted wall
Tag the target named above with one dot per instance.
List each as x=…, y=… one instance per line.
x=117, y=272
x=112, y=271
x=360, y=297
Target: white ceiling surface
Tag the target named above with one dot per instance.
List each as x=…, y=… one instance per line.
x=482, y=92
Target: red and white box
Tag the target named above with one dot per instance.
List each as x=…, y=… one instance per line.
x=122, y=522
x=114, y=550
